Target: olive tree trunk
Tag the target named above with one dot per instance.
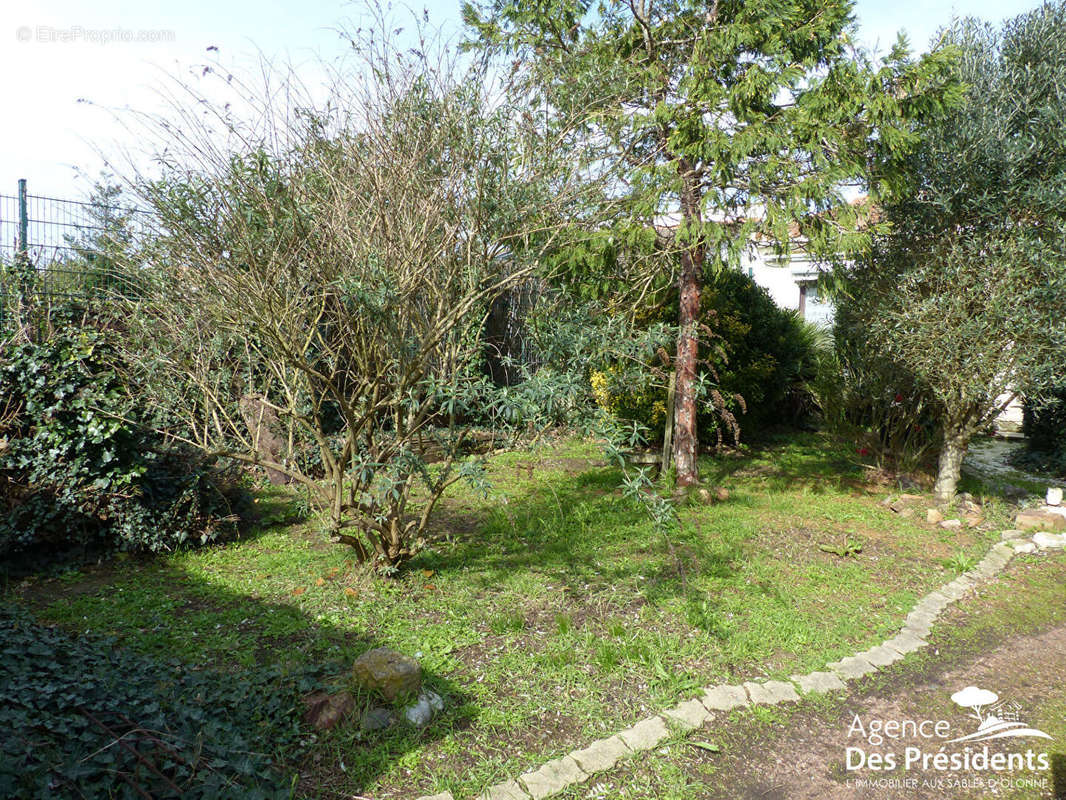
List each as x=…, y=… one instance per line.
x=949, y=467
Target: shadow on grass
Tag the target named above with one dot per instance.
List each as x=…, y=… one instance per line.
x=787, y=462
x=1006, y=490
x=581, y=531
x=274, y=508
x=168, y=617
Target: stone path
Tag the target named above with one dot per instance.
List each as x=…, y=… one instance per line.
x=989, y=458
x=602, y=755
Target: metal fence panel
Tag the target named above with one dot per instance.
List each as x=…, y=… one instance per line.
x=68, y=248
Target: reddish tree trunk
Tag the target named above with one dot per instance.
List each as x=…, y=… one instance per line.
x=686, y=436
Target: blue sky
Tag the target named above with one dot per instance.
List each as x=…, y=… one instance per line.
x=55, y=52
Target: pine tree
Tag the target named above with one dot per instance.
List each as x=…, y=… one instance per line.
x=726, y=118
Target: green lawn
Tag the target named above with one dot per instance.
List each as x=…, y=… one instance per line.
x=548, y=612
x=749, y=747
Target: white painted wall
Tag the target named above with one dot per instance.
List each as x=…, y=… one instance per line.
x=783, y=278
x=773, y=276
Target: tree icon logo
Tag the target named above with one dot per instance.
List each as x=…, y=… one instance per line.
x=975, y=699
x=982, y=705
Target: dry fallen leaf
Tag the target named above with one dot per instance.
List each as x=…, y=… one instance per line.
x=428, y=573
x=299, y=590
x=430, y=586
x=320, y=582
x=348, y=590
x=710, y=748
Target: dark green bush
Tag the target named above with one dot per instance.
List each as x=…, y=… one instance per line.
x=1045, y=429
x=1045, y=423
x=82, y=469
x=769, y=354
x=873, y=401
x=83, y=718
x=760, y=359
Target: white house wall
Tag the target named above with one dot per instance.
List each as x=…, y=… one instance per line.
x=776, y=279
x=784, y=280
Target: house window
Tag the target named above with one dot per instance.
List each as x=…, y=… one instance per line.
x=813, y=308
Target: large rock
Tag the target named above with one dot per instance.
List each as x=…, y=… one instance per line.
x=323, y=710
x=1039, y=518
x=392, y=674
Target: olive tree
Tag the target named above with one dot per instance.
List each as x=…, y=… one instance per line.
x=321, y=276
x=967, y=293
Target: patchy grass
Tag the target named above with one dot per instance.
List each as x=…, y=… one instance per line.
x=548, y=612
x=1000, y=637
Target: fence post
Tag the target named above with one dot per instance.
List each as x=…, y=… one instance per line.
x=24, y=221
x=668, y=434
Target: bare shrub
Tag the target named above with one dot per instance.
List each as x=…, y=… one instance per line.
x=321, y=276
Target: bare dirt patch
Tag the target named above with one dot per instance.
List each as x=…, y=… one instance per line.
x=805, y=757
x=807, y=760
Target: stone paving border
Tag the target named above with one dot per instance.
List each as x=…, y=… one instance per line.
x=602, y=755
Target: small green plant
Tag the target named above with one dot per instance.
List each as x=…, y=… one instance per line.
x=702, y=614
x=960, y=562
x=847, y=547
x=608, y=656
x=508, y=622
